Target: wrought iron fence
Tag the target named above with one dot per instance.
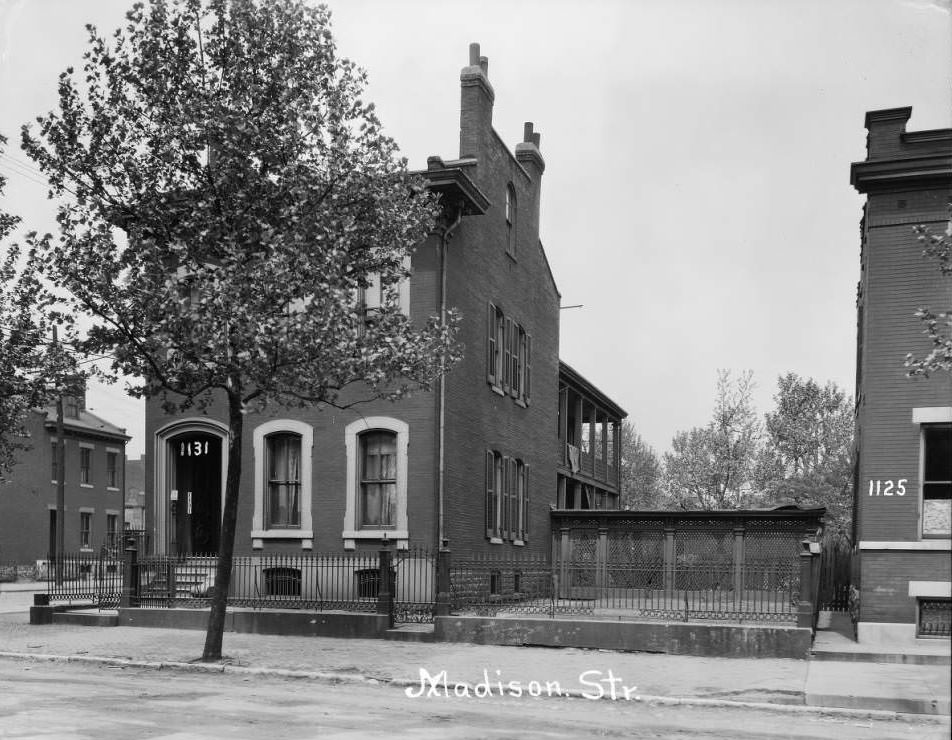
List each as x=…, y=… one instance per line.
x=835, y=576
x=317, y=581
x=80, y=578
x=491, y=584
x=514, y=585
x=415, y=575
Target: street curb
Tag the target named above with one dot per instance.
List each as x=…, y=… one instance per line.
x=351, y=678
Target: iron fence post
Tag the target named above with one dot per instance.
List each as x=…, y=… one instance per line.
x=669, y=560
x=565, y=554
x=805, y=604
x=443, y=561
x=385, y=592
x=601, y=563
x=738, y=556
x=130, y=575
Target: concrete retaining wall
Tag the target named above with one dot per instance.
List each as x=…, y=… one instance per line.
x=272, y=622
x=676, y=638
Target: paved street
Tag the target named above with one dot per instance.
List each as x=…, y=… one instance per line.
x=53, y=700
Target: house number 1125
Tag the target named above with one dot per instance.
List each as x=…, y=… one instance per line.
x=885, y=487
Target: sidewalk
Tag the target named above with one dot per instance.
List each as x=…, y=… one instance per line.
x=789, y=685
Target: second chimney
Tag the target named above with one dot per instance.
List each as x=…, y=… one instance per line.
x=476, y=105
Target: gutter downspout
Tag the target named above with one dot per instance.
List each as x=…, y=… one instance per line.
x=444, y=241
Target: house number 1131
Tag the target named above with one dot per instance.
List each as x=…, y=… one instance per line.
x=188, y=449
x=886, y=487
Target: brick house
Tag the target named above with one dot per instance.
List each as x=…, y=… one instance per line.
x=473, y=462
x=94, y=482
x=903, y=491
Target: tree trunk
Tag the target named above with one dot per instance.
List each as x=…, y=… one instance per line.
x=226, y=546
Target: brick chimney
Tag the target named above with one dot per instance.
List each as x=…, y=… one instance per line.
x=529, y=156
x=885, y=128
x=476, y=106
x=527, y=152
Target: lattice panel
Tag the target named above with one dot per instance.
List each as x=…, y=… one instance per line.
x=638, y=549
x=584, y=547
x=703, y=547
x=771, y=547
x=584, y=557
x=794, y=525
x=635, y=523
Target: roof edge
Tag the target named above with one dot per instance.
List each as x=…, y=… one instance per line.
x=576, y=377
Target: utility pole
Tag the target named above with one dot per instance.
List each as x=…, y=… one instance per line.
x=60, y=478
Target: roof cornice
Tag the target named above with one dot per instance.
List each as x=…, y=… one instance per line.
x=922, y=171
x=452, y=181
x=574, y=377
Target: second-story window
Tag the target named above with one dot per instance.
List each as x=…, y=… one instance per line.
x=85, y=465
x=510, y=220
x=495, y=331
x=508, y=355
x=112, y=469
x=71, y=407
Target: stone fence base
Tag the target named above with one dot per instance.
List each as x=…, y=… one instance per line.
x=675, y=638
x=270, y=622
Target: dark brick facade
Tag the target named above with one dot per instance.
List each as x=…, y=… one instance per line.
x=28, y=494
x=487, y=257
x=907, y=180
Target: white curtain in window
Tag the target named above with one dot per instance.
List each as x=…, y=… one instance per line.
x=284, y=480
x=378, y=479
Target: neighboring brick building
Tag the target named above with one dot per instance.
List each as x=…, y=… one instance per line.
x=473, y=462
x=904, y=425
x=135, y=494
x=94, y=481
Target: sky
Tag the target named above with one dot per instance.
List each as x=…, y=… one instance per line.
x=696, y=200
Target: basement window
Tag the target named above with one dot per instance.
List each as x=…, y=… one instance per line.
x=935, y=618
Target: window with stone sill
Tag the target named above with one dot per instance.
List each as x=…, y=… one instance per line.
x=85, y=466
x=507, y=498
x=376, y=493
x=283, y=482
x=508, y=356
x=85, y=529
x=936, y=480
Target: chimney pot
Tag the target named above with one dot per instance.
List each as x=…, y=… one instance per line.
x=484, y=65
x=473, y=54
x=536, y=138
x=527, y=131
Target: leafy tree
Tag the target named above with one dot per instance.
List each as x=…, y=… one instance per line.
x=231, y=194
x=31, y=368
x=938, y=325
x=807, y=457
x=641, y=472
x=710, y=467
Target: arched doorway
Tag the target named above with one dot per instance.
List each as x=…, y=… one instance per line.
x=195, y=497
x=190, y=478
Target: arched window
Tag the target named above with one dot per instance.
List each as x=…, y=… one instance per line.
x=378, y=479
x=376, y=505
x=511, y=220
x=284, y=480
